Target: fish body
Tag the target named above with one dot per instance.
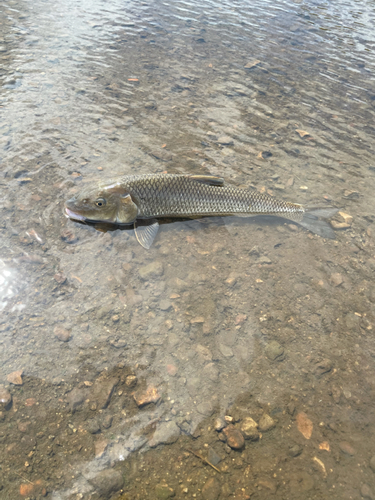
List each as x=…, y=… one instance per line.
x=140, y=199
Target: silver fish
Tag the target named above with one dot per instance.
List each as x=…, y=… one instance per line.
x=141, y=199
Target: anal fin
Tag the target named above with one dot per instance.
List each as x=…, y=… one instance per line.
x=146, y=231
x=211, y=180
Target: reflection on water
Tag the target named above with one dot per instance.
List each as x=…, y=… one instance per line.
x=230, y=360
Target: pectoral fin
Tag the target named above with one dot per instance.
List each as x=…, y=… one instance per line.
x=211, y=180
x=146, y=231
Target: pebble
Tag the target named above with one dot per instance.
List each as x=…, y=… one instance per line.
x=304, y=424
x=152, y=270
x=131, y=381
x=249, y=429
x=274, y=350
x=219, y=424
x=102, y=391
x=366, y=492
x=107, y=482
x=234, y=437
x=346, y=448
x=68, y=236
x=213, y=457
x=93, y=426
x=295, y=451
x=5, y=398
x=264, y=260
x=322, y=367
x=211, y=489
x=225, y=140
x=150, y=395
x=268, y=484
x=62, y=334
x=225, y=350
x=337, y=279
x=339, y=225
x=165, y=305
x=163, y=492
x=266, y=423
x=75, y=398
x=166, y=433
x=107, y=421
x=372, y=463
x=15, y=377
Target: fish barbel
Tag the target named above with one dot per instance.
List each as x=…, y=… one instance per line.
x=141, y=199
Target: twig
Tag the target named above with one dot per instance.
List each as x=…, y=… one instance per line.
x=24, y=478
x=203, y=459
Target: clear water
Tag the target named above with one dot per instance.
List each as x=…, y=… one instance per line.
x=216, y=320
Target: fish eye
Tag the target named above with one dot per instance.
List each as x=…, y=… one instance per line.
x=100, y=202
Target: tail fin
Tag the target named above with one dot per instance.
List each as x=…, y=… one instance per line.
x=311, y=221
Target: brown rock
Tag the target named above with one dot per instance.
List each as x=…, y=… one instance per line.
x=234, y=437
x=15, y=377
x=346, y=448
x=268, y=484
x=211, y=489
x=150, y=395
x=100, y=447
x=131, y=381
x=304, y=425
x=102, y=391
x=62, y=334
x=249, y=429
x=75, y=398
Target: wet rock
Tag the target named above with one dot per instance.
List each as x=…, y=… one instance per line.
x=100, y=447
x=211, y=489
x=346, y=448
x=322, y=367
x=266, y=423
x=152, y=270
x=75, y=398
x=102, y=391
x=225, y=350
x=264, y=260
x=295, y=451
x=219, y=424
x=205, y=408
x=211, y=371
x=213, y=457
x=145, y=397
x=165, y=305
x=163, y=492
x=234, y=437
x=274, y=350
x=93, y=426
x=304, y=425
x=166, y=433
x=15, y=377
x=225, y=140
x=68, y=236
x=62, y=334
x=337, y=279
x=60, y=278
x=366, y=492
x=268, y=484
x=107, y=421
x=107, y=482
x=5, y=398
x=131, y=381
x=254, y=252
x=372, y=463
x=249, y=429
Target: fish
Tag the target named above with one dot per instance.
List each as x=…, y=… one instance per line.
x=140, y=200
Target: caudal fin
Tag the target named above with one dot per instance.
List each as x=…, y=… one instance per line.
x=312, y=221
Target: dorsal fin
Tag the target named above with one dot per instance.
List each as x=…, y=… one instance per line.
x=211, y=180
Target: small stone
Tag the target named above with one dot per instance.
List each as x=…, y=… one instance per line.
x=304, y=425
x=213, y=457
x=346, y=448
x=266, y=423
x=211, y=489
x=366, y=492
x=339, y=225
x=372, y=463
x=219, y=424
x=249, y=429
x=303, y=188
x=131, y=381
x=295, y=451
x=225, y=350
x=60, y=278
x=348, y=219
x=336, y=279
x=264, y=260
x=234, y=437
x=165, y=305
x=15, y=377
x=254, y=252
x=75, y=398
x=68, y=236
x=107, y=421
x=279, y=187
x=152, y=270
x=166, y=433
x=225, y=140
x=150, y=395
x=62, y=334
x=5, y=398
x=268, y=484
x=102, y=391
x=107, y=482
x=100, y=447
x=172, y=370
x=163, y=492
x=322, y=367
x=93, y=426
x=274, y=350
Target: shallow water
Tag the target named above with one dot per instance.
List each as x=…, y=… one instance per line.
x=131, y=359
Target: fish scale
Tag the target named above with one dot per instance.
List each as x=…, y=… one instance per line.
x=166, y=195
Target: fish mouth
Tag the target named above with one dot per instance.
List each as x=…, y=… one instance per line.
x=72, y=215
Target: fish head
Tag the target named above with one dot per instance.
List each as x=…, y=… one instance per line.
x=111, y=203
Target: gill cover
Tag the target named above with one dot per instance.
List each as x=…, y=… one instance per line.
x=127, y=210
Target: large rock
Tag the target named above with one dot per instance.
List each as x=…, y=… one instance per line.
x=107, y=482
